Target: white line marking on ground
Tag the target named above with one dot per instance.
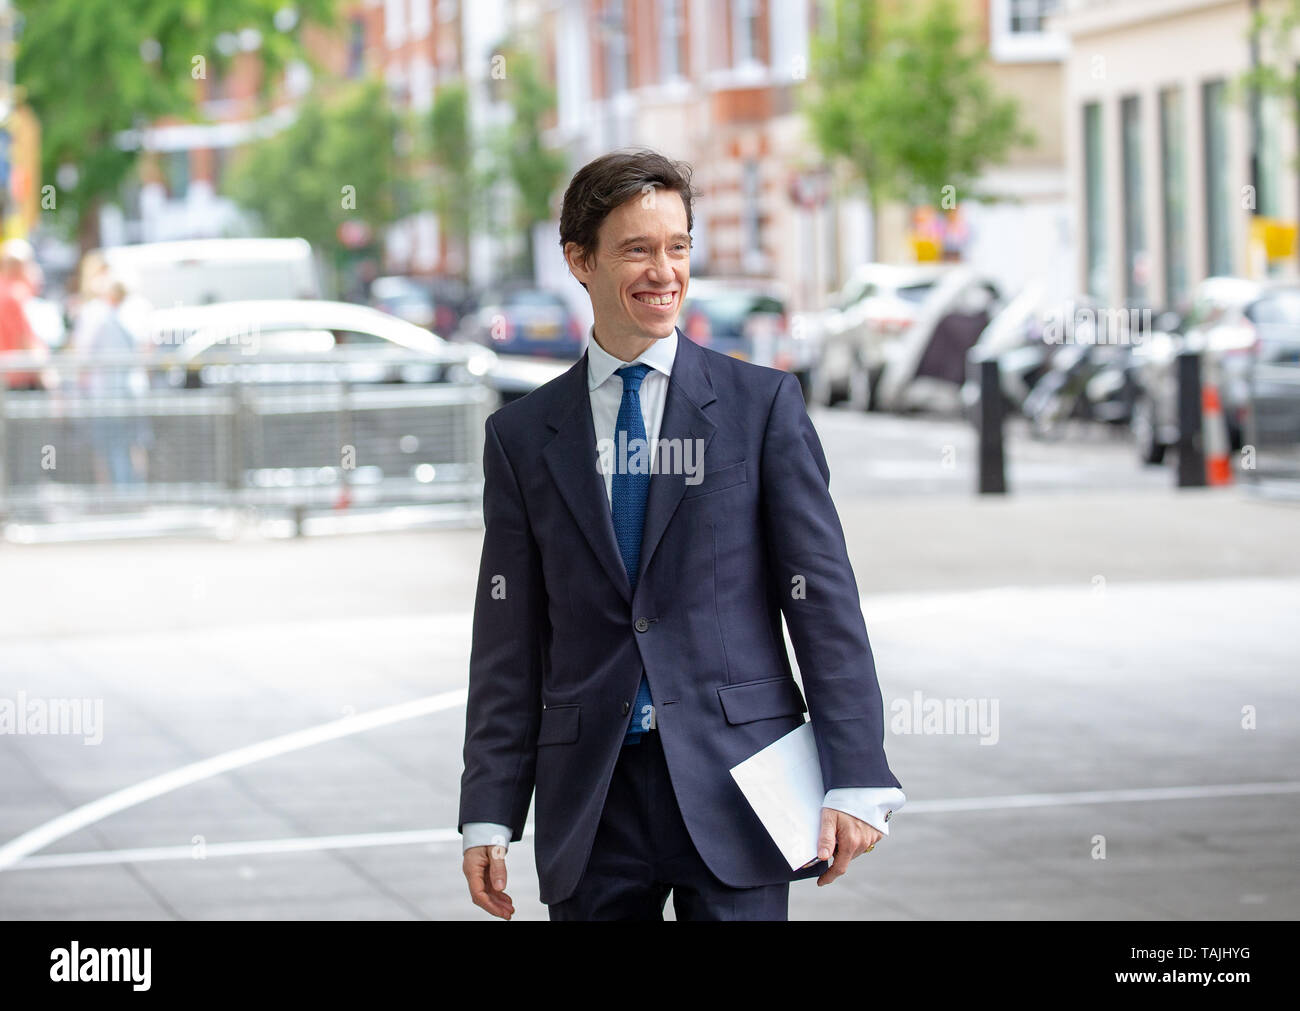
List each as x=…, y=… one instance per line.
x=78, y=818
x=257, y=847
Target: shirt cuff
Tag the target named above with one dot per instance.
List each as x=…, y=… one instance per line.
x=872, y=804
x=485, y=833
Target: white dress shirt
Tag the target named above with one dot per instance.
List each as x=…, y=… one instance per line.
x=871, y=804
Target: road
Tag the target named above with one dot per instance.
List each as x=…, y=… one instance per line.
x=282, y=720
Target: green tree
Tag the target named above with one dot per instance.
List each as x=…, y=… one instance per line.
x=901, y=92
x=93, y=71
x=453, y=184
x=517, y=156
x=335, y=163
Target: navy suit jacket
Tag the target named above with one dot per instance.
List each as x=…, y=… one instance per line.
x=560, y=639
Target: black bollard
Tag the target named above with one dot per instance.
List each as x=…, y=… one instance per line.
x=992, y=466
x=1191, y=446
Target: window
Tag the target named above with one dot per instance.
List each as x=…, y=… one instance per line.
x=744, y=32
x=176, y=171
x=751, y=225
x=1272, y=115
x=356, y=48
x=1094, y=211
x=613, y=29
x=394, y=22
x=1030, y=15
x=1135, y=246
x=421, y=18
x=1019, y=31
x=1173, y=193
x=671, y=24
x=1218, y=193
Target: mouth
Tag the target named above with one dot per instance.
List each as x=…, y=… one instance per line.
x=660, y=300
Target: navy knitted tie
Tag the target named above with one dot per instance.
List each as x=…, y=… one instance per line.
x=628, y=496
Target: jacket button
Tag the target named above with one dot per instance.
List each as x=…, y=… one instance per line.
x=626, y=708
x=642, y=624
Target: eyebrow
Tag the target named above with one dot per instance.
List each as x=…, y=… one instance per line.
x=679, y=236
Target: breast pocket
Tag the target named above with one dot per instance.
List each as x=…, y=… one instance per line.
x=717, y=479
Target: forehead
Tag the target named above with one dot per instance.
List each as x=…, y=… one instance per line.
x=655, y=211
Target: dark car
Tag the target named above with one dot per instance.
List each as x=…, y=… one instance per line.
x=436, y=304
x=1273, y=380
x=742, y=317
x=526, y=321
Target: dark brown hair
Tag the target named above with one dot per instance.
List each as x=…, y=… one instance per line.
x=609, y=182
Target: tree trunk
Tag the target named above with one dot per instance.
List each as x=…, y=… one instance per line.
x=88, y=226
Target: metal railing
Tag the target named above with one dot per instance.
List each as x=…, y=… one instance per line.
x=292, y=434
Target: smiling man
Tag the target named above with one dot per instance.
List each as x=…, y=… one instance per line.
x=627, y=643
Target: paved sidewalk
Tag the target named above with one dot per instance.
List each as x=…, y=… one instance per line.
x=1121, y=634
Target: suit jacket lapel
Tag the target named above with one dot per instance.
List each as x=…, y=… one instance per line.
x=575, y=465
x=689, y=390
x=574, y=462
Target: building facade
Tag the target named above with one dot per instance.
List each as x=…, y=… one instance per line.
x=1160, y=143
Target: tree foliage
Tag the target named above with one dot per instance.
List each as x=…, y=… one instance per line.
x=335, y=163
x=94, y=70
x=901, y=92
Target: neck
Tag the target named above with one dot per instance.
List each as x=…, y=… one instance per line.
x=626, y=347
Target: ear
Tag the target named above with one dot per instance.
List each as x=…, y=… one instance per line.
x=578, y=265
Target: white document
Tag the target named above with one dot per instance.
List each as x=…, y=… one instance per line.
x=783, y=784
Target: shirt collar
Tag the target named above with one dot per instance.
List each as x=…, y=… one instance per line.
x=601, y=364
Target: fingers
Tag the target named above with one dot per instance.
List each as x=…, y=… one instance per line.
x=481, y=869
x=826, y=841
x=851, y=838
x=497, y=865
x=842, y=857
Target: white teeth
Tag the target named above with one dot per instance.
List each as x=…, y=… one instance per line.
x=655, y=299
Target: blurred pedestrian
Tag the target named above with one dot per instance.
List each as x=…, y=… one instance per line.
x=16, y=333
x=120, y=436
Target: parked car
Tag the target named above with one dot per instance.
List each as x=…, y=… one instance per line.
x=745, y=318
x=434, y=303
x=1273, y=382
x=925, y=366
x=874, y=308
x=1221, y=324
x=524, y=320
x=200, y=271
x=405, y=298
x=255, y=342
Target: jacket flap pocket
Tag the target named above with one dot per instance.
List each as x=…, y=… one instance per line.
x=716, y=478
x=761, y=700
x=559, y=725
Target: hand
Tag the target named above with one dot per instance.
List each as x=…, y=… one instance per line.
x=485, y=870
x=843, y=837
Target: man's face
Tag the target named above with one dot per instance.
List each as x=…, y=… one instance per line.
x=642, y=266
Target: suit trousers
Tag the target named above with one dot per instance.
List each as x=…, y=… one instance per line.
x=642, y=851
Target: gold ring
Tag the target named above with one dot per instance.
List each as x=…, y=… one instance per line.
x=869, y=848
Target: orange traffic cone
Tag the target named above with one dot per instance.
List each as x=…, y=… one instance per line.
x=1218, y=462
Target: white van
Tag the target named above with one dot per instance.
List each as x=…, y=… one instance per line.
x=199, y=271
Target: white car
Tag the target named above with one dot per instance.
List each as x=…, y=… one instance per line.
x=877, y=304
x=257, y=341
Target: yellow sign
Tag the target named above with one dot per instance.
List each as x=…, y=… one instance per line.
x=1277, y=237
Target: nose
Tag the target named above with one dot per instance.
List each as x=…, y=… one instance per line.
x=659, y=266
